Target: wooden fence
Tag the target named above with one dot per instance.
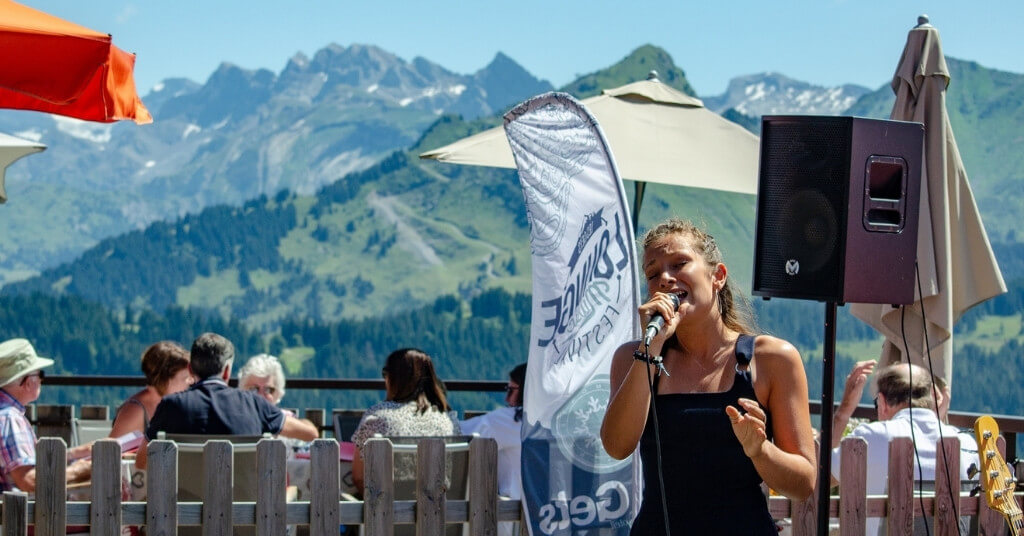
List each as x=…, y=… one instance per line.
x=55, y=420
x=903, y=503
x=323, y=513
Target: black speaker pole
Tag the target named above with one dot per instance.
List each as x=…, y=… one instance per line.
x=827, y=403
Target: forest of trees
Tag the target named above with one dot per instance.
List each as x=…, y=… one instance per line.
x=137, y=263
x=481, y=338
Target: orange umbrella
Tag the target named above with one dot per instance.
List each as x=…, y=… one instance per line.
x=51, y=65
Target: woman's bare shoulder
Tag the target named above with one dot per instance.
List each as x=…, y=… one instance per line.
x=623, y=356
x=772, y=351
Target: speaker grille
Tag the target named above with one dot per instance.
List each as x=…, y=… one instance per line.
x=802, y=200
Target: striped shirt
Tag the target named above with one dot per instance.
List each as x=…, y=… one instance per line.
x=17, y=440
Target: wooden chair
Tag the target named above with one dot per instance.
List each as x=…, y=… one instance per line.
x=404, y=450
x=345, y=423
x=191, y=474
x=54, y=420
x=86, y=430
x=94, y=412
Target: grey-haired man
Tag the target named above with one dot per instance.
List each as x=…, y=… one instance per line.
x=211, y=407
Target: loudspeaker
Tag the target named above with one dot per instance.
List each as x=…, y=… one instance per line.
x=837, y=209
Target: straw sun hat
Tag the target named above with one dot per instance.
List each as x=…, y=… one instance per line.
x=18, y=359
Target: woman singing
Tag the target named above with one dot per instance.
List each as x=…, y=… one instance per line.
x=731, y=406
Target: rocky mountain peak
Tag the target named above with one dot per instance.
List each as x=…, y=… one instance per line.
x=765, y=93
x=498, y=83
x=231, y=91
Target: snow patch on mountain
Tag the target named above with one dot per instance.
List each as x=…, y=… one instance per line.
x=83, y=130
x=772, y=93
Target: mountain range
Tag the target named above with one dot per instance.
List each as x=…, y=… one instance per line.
x=241, y=134
x=318, y=208
x=773, y=93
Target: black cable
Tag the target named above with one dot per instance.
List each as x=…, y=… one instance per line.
x=931, y=371
x=910, y=402
x=657, y=442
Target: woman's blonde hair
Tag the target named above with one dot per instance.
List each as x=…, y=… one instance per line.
x=734, y=307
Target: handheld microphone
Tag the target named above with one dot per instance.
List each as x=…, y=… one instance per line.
x=657, y=321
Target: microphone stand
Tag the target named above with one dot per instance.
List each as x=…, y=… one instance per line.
x=827, y=403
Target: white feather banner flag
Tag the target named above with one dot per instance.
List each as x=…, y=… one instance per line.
x=585, y=298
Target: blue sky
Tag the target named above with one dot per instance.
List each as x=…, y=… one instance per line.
x=826, y=42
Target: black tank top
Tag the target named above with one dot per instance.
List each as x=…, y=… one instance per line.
x=711, y=485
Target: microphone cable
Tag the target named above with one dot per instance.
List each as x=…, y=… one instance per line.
x=657, y=441
x=910, y=409
x=931, y=372
x=931, y=381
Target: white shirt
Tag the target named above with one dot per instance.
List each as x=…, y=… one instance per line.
x=502, y=426
x=926, y=428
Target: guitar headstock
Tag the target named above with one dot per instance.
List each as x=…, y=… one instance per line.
x=997, y=480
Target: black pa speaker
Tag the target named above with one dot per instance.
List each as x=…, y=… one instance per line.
x=837, y=209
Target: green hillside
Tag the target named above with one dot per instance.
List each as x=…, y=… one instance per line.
x=407, y=230
x=632, y=68
x=481, y=338
x=404, y=253
x=400, y=234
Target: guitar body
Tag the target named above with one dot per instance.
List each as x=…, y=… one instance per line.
x=997, y=480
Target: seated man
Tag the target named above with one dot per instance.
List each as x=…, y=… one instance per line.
x=21, y=378
x=211, y=407
x=904, y=401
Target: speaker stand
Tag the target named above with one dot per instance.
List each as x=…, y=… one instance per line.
x=827, y=403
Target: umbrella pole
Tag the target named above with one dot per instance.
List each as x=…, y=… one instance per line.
x=638, y=199
x=827, y=403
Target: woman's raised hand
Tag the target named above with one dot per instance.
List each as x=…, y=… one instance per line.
x=749, y=427
x=660, y=303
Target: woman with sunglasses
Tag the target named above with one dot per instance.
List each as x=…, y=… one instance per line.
x=416, y=405
x=264, y=375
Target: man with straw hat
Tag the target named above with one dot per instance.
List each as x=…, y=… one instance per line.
x=21, y=378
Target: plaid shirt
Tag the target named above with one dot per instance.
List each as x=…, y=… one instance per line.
x=17, y=440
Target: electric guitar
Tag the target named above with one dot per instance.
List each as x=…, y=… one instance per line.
x=997, y=480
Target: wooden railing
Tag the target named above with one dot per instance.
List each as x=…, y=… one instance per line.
x=1010, y=425
x=323, y=513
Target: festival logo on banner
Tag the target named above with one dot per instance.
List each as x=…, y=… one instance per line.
x=584, y=306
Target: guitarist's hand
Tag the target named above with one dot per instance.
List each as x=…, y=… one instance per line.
x=749, y=427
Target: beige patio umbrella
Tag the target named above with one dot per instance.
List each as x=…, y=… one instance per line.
x=957, y=268
x=656, y=134
x=11, y=149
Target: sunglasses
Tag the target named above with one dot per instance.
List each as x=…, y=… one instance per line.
x=37, y=374
x=266, y=389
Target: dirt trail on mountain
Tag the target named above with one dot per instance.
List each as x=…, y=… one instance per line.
x=389, y=208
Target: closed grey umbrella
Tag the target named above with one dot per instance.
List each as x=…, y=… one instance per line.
x=956, y=264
